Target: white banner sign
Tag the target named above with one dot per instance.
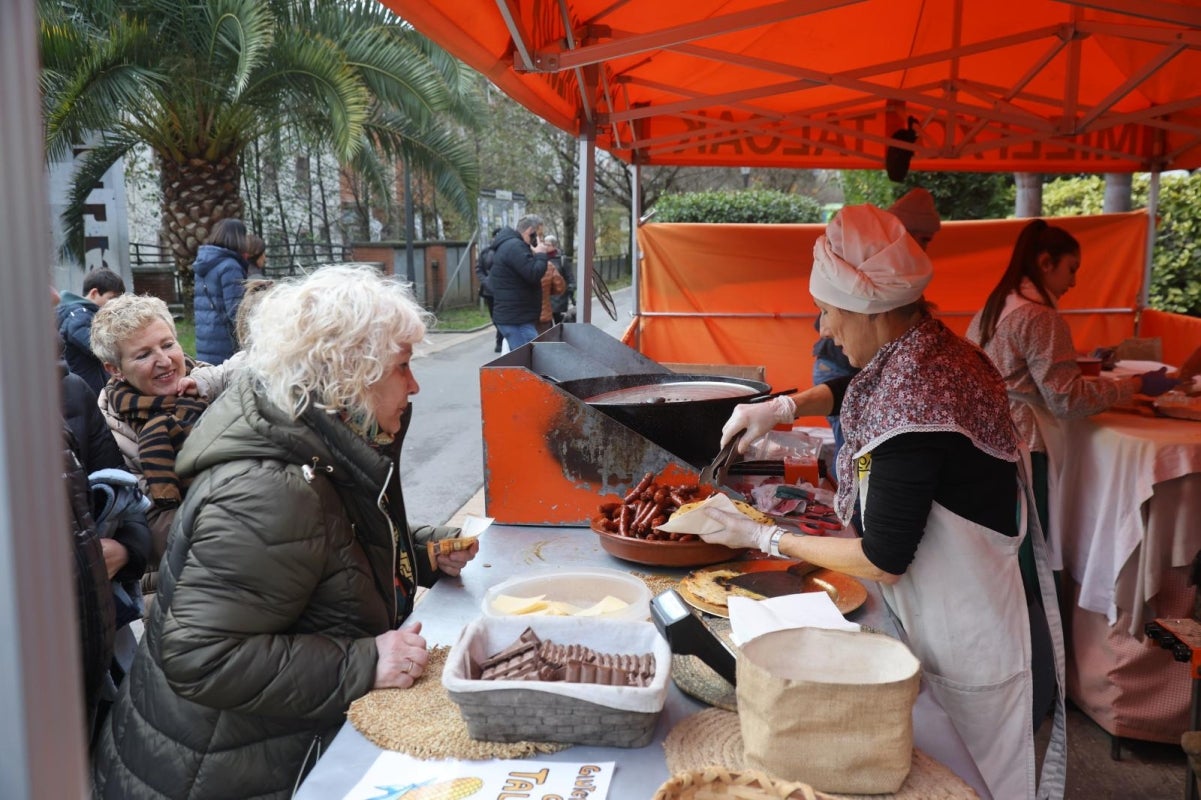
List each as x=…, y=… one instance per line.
x=395, y=776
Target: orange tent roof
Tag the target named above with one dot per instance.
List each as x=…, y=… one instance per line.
x=994, y=85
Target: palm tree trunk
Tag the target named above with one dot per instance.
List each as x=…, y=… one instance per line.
x=196, y=194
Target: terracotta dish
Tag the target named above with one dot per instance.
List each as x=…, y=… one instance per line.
x=663, y=554
x=703, y=589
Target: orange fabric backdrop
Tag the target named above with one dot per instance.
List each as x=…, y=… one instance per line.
x=1181, y=334
x=742, y=291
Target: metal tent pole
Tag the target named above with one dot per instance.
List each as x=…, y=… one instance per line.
x=585, y=227
x=635, y=216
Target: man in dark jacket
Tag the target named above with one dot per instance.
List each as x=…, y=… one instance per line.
x=518, y=264
x=75, y=313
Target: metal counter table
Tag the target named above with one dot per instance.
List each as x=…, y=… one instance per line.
x=506, y=551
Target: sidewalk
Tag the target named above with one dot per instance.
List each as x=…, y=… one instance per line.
x=436, y=342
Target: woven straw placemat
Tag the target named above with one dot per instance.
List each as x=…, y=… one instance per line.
x=697, y=679
x=712, y=737
x=718, y=783
x=424, y=722
x=658, y=584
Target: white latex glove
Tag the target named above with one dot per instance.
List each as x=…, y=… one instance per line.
x=738, y=530
x=757, y=419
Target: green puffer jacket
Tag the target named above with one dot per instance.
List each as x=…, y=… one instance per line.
x=277, y=577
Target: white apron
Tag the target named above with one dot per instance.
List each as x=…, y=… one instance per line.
x=963, y=611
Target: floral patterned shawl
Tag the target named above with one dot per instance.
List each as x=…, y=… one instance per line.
x=926, y=380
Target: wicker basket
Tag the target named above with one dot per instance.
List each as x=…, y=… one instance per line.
x=714, y=783
x=514, y=715
x=575, y=713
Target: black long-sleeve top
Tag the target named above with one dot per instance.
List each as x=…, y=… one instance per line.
x=911, y=471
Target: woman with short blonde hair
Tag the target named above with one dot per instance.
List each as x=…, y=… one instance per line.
x=122, y=316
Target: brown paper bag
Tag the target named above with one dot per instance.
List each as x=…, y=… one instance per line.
x=833, y=709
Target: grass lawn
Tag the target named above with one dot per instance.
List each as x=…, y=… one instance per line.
x=185, y=331
x=462, y=319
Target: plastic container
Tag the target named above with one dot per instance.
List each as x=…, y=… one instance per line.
x=579, y=587
x=1089, y=367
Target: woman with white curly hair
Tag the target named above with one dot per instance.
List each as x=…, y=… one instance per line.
x=291, y=565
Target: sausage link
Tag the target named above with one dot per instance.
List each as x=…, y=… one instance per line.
x=640, y=488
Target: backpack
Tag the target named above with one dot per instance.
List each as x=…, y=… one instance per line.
x=483, y=268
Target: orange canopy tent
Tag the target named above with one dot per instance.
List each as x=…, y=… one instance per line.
x=1021, y=85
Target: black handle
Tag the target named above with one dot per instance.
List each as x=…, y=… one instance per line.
x=765, y=397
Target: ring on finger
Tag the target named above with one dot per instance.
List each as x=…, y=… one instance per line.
x=408, y=667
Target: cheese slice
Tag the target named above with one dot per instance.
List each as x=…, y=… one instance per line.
x=559, y=608
x=606, y=605
x=507, y=604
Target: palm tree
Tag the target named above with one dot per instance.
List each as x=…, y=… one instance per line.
x=198, y=80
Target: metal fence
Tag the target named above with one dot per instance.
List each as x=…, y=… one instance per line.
x=610, y=268
x=153, y=266
x=153, y=269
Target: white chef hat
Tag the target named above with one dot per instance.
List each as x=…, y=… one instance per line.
x=916, y=211
x=867, y=263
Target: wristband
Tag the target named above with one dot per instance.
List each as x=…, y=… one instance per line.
x=773, y=544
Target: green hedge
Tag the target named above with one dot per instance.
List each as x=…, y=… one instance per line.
x=746, y=206
x=1176, y=264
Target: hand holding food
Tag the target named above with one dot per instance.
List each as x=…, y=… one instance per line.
x=757, y=419
x=738, y=530
x=451, y=555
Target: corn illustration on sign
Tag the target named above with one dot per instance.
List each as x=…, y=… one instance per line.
x=453, y=789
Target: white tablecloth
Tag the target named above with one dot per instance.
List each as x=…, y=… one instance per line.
x=1128, y=483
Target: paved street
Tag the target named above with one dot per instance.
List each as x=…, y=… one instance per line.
x=442, y=463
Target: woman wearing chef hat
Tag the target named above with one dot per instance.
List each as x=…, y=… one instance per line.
x=931, y=458
x=917, y=212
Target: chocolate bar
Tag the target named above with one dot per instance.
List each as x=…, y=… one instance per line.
x=442, y=547
x=530, y=659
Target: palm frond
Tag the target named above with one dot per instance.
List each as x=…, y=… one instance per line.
x=440, y=152
x=308, y=70
x=242, y=32
x=102, y=81
x=373, y=171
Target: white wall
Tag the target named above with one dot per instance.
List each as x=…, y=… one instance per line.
x=108, y=238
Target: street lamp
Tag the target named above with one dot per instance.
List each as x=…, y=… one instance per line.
x=746, y=176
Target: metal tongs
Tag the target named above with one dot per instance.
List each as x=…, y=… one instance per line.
x=715, y=473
